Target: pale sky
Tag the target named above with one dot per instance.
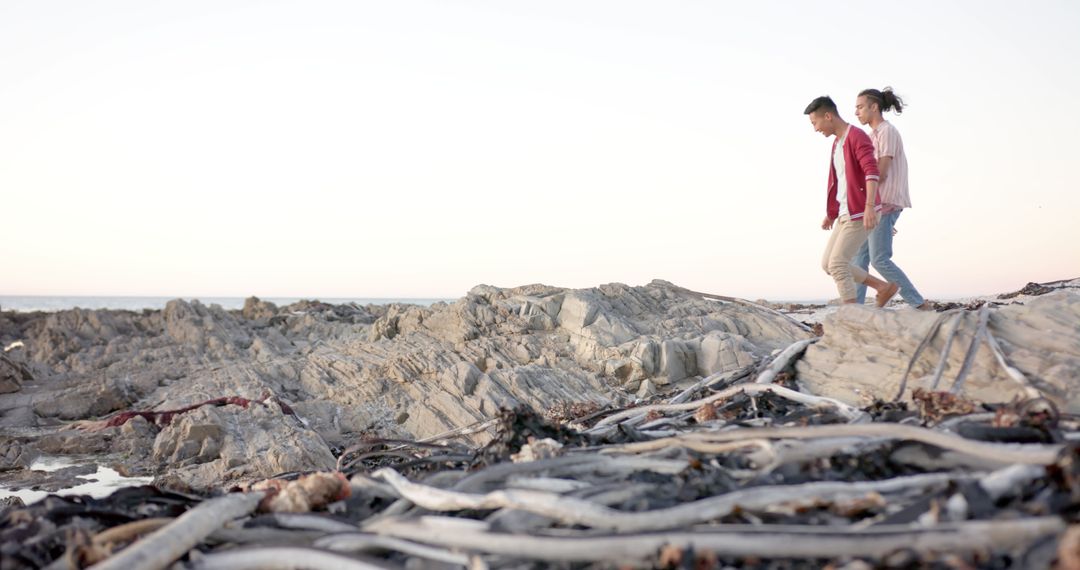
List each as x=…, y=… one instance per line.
x=419, y=148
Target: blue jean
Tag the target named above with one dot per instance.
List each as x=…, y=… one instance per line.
x=878, y=250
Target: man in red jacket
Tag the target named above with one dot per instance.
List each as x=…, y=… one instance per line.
x=852, y=203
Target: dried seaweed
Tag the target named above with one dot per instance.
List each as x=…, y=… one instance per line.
x=165, y=417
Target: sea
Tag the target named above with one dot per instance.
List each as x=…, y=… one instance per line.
x=27, y=303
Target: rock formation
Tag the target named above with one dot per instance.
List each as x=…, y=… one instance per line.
x=865, y=352
x=343, y=372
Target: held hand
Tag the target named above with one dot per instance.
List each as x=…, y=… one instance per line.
x=869, y=219
x=827, y=223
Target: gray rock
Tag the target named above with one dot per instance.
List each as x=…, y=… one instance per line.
x=12, y=375
x=865, y=351
x=646, y=390
x=14, y=454
x=256, y=309
x=346, y=371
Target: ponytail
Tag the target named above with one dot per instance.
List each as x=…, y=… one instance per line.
x=886, y=99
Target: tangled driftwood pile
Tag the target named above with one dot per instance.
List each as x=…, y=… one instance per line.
x=740, y=470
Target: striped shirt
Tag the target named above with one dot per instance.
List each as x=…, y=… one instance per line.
x=894, y=191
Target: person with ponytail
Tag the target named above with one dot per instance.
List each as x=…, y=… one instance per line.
x=892, y=189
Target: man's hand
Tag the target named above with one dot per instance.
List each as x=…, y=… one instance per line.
x=869, y=220
x=827, y=223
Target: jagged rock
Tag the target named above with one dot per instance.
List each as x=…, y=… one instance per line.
x=723, y=352
x=12, y=375
x=346, y=371
x=205, y=328
x=256, y=309
x=211, y=445
x=86, y=400
x=864, y=352
x=646, y=390
x=14, y=454
x=189, y=442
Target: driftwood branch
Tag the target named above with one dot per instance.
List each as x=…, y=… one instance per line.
x=573, y=511
x=1033, y=454
x=568, y=465
x=940, y=368
x=702, y=446
x=748, y=389
x=931, y=332
x=778, y=541
x=1010, y=480
x=126, y=532
x=165, y=545
x=710, y=380
x=281, y=558
x=264, y=535
x=783, y=359
x=1013, y=372
x=359, y=542
x=973, y=349
x=637, y=415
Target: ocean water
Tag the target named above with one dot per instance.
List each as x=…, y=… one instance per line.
x=50, y=304
x=97, y=485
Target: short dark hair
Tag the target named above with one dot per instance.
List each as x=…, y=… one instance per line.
x=823, y=103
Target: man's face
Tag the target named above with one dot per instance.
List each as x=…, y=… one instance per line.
x=822, y=122
x=863, y=109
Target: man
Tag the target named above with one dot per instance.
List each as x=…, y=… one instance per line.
x=893, y=185
x=851, y=202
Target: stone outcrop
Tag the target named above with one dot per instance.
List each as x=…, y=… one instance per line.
x=864, y=352
x=12, y=375
x=342, y=372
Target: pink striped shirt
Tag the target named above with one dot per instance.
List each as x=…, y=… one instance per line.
x=894, y=191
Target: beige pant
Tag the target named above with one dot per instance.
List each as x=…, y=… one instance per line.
x=847, y=237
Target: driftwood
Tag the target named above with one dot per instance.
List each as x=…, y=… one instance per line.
x=702, y=446
x=940, y=368
x=629, y=416
x=281, y=558
x=981, y=336
x=172, y=541
x=1013, y=372
x=359, y=542
x=129, y=531
x=263, y=535
x=973, y=349
x=1033, y=454
x=572, y=511
x=711, y=380
x=739, y=540
x=637, y=415
x=783, y=359
x=928, y=337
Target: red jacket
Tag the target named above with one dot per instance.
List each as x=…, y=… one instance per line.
x=860, y=166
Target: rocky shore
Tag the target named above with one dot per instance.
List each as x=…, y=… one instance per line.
x=337, y=373
x=203, y=399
